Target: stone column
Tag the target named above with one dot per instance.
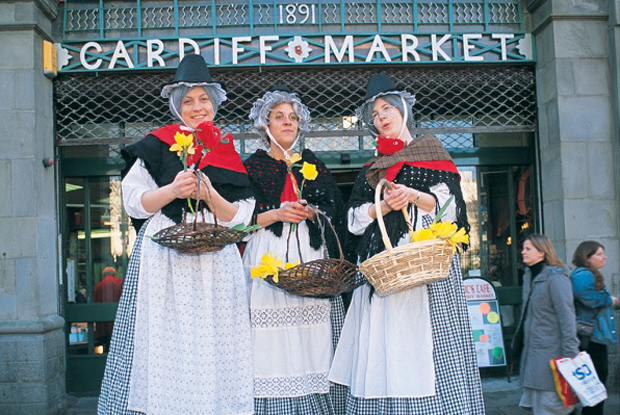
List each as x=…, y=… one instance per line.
x=32, y=344
x=579, y=136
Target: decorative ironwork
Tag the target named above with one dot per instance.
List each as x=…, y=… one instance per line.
x=453, y=103
x=120, y=19
x=469, y=13
x=359, y=12
x=157, y=17
x=434, y=13
x=145, y=35
x=398, y=13
x=194, y=16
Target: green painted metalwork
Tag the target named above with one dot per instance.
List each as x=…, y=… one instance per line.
x=85, y=374
x=75, y=313
x=342, y=13
x=136, y=22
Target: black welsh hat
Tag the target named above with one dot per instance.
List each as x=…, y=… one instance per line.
x=192, y=71
x=281, y=88
x=379, y=84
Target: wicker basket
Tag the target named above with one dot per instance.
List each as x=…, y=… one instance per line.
x=197, y=237
x=412, y=265
x=321, y=278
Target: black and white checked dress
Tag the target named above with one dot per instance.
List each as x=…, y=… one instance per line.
x=458, y=389
x=115, y=387
x=458, y=386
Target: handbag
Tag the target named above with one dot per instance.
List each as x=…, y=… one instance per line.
x=585, y=329
x=580, y=374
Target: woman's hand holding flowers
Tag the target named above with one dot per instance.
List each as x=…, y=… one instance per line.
x=293, y=212
x=309, y=210
x=184, y=184
x=205, y=187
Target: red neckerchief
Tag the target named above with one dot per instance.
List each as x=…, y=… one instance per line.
x=392, y=146
x=288, y=193
x=220, y=151
x=388, y=145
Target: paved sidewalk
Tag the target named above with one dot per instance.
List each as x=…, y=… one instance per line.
x=500, y=397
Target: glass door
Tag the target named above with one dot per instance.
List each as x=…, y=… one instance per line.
x=501, y=218
x=97, y=240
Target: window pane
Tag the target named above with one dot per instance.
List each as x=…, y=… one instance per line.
x=82, y=334
x=470, y=259
x=111, y=238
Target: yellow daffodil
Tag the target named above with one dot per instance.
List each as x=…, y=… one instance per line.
x=460, y=237
x=309, y=171
x=423, y=235
x=272, y=262
x=295, y=158
x=269, y=265
x=183, y=143
x=289, y=265
x=443, y=230
x=259, y=272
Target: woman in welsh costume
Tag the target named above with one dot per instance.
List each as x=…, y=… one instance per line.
x=411, y=352
x=293, y=336
x=182, y=339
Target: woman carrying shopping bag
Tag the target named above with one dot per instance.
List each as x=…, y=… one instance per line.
x=548, y=324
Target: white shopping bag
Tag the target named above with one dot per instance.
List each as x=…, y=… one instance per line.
x=580, y=374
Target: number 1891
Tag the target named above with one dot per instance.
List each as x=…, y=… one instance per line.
x=296, y=11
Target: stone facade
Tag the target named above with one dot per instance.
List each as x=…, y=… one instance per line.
x=578, y=60
x=32, y=344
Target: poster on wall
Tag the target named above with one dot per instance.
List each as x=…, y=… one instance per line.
x=485, y=322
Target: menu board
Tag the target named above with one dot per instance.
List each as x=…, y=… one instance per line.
x=485, y=322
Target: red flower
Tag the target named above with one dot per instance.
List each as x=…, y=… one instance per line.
x=208, y=137
x=389, y=145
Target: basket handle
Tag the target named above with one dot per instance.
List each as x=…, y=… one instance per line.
x=199, y=180
x=329, y=222
x=288, y=240
x=384, y=235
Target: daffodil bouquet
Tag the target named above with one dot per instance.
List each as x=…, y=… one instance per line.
x=270, y=266
x=184, y=146
x=308, y=171
x=442, y=230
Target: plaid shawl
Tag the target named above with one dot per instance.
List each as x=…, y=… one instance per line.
x=421, y=165
x=425, y=152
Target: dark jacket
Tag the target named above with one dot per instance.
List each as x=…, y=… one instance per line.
x=549, y=327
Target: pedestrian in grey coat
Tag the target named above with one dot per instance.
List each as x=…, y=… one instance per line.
x=548, y=323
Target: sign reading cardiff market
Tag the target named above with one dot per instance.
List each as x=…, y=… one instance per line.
x=281, y=50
